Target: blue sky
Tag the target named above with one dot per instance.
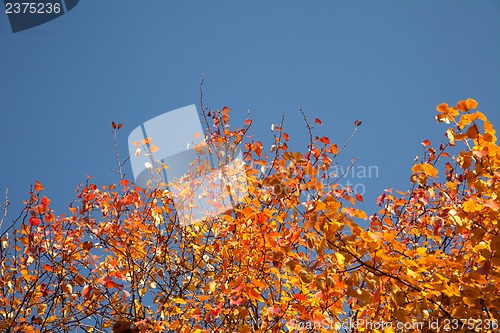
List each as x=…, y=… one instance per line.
x=387, y=63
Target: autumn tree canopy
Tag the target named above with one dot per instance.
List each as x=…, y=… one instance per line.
x=294, y=255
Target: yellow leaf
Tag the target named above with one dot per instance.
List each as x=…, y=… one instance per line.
x=179, y=301
x=430, y=170
x=450, y=135
x=340, y=258
x=421, y=250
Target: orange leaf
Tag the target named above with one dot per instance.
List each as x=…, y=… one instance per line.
x=493, y=204
x=472, y=132
x=45, y=201
x=325, y=140
x=462, y=106
x=443, y=107
x=258, y=148
x=285, y=136
x=254, y=293
x=113, y=125
x=317, y=121
x=471, y=104
x=146, y=141
x=359, y=197
x=426, y=143
x=300, y=297
x=38, y=186
x=258, y=283
x=154, y=148
x=334, y=148
x=248, y=122
x=124, y=182
x=48, y=268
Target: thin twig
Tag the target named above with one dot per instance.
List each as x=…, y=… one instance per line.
x=116, y=153
x=4, y=208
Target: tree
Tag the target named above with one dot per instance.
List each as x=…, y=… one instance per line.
x=292, y=256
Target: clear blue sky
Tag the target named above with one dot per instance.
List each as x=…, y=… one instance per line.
x=387, y=63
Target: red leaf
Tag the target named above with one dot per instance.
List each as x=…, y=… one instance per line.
x=48, y=268
x=248, y=122
x=120, y=126
x=140, y=322
x=285, y=136
x=275, y=310
x=34, y=222
x=485, y=269
x=124, y=182
x=317, y=121
x=237, y=302
x=113, y=125
x=359, y=197
x=86, y=291
x=426, y=143
x=437, y=225
x=238, y=288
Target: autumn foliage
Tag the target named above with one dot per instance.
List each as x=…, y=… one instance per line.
x=295, y=255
